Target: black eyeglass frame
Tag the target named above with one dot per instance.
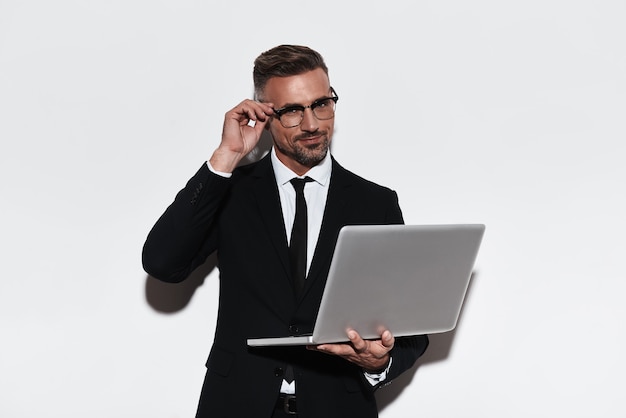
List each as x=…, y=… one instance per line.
x=279, y=112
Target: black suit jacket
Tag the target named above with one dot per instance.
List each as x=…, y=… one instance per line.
x=241, y=219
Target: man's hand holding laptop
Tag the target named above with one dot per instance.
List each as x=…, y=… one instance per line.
x=371, y=355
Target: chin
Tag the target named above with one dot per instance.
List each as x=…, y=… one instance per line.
x=310, y=159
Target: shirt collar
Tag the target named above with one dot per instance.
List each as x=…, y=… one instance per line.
x=319, y=173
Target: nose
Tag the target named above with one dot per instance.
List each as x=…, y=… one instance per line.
x=309, y=121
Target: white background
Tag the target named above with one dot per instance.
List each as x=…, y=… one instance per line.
x=510, y=114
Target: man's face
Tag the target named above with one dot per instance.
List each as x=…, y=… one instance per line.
x=303, y=146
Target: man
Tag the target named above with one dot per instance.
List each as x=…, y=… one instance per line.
x=246, y=214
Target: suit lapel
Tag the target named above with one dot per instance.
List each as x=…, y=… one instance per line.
x=266, y=195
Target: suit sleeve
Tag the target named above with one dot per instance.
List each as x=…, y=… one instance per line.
x=184, y=236
x=405, y=353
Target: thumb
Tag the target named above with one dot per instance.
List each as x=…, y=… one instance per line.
x=388, y=339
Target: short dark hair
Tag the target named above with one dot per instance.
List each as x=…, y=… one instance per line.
x=284, y=61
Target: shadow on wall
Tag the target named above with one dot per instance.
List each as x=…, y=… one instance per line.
x=438, y=350
x=173, y=297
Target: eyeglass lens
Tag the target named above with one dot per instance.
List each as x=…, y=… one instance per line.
x=322, y=109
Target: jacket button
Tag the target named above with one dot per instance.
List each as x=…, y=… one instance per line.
x=294, y=329
x=279, y=372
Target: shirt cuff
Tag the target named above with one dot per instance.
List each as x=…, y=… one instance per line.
x=219, y=173
x=376, y=378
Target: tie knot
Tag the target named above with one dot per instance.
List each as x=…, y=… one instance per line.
x=298, y=183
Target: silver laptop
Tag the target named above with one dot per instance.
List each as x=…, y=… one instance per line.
x=410, y=279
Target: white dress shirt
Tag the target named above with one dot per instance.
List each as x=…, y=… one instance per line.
x=315, y=193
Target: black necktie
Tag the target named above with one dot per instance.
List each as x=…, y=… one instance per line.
x=297, y=247
x=297, y=244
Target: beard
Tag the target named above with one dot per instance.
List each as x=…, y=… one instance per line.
x=307, y=156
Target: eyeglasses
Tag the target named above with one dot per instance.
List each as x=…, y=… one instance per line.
x=323, y=109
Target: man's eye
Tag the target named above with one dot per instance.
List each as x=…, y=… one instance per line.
x=322, y=103
x=291, y=111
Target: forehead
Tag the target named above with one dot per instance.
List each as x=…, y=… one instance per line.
x=303, y=88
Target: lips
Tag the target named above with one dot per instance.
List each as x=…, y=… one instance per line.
x=310, y=139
